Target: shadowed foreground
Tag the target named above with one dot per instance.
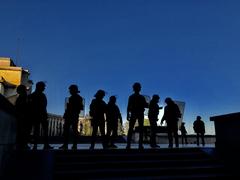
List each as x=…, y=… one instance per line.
x=176, y=163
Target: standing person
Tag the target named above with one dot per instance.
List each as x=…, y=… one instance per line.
x=183, y=133
x=97, y=112
x=22, y=116
x=38, y=106
x=171, y=115
x=153, y=118
x=112, y=116
x=199, y=129
x=71, y=116
x=135, y=111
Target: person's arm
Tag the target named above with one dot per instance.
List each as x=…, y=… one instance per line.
x=129, y=108
x=120, y=119
x=194, y=127
x=81, y=103
x=203, y=128
x=164, y=117
x=146, y=105
x=119, y=115
x=162, y=120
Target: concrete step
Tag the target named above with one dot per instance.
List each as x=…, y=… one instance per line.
x=143, y=172
x=182, y=163
x=112, y=164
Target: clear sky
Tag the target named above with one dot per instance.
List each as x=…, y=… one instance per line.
x=188, y=50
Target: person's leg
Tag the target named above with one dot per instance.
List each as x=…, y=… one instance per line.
x=202, y=137
x=185, y=136
x=75, y=133
x=108, y=135
x=170, y=137
x=153, y=125
x=26, y=133
x=36, y=131
x=140, y=125
x=66, y=133
x=197, y=139
x=114, y=134
x=175, y=132
x=94, y=134
x=102, y=131
x=130, y=131
x=151, y=132
x=45, y=134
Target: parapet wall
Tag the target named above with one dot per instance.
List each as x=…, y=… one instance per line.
x=7, y=130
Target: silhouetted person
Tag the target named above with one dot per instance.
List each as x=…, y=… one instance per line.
x=171, y=115
x=153, y=118
x=183, y=133
x=113, y=115
x=199, y=129
x=71, y=116
x=135, y=111
x=22, y=115
x=38, y=106
x=97, y=112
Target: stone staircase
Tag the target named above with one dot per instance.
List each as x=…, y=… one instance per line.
x=166, y=164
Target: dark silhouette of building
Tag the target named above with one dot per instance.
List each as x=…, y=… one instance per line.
x=199, y=129
x=135, y=111
x=113, y=116
x=71, y=116
x=171, y=115
x=97, y=111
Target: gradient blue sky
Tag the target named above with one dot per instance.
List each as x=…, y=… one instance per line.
x=188, y=50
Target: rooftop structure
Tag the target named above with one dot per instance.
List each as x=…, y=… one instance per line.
x=12, y=76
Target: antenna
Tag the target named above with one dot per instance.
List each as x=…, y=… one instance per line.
x=18, y=51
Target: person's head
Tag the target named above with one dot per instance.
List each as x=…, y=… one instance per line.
x=99, y=94
x=199, y=118
x=168, y=100
x=155, y=98
x=21, y=89
x=112, y=99
x=73, y=89
x=40, y=86
x=137, y=87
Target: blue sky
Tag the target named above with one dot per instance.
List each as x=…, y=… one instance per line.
x=188, y=50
